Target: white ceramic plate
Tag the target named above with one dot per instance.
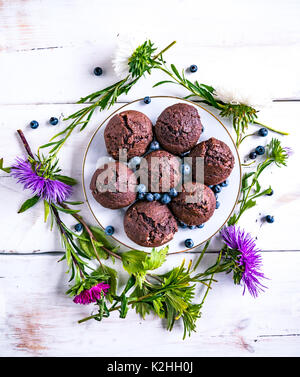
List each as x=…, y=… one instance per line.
x=228, y=197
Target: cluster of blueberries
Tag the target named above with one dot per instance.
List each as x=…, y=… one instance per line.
x=34, y=124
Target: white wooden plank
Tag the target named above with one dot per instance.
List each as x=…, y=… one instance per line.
x=31, y=234
x=33, y=24
x=36, y=318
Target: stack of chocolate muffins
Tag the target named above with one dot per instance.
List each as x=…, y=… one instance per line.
x=177, y=130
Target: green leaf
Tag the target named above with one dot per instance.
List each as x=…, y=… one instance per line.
x=133, y=261
x=65, y=179
x=6, y=170
x=124, y=306
x=46, y=210
x=73, y=203
x=86, y=245
x=163, y=82
x=156, y=258
x=174, y=69
x=66, y=210
x=29, y=203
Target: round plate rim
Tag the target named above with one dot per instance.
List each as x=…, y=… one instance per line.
x=141, y=99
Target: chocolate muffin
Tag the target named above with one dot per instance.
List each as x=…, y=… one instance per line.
x=178, y=128
x=149, y=224
x=116, y=187
x=195, y=204
x=160, y=171
x=218, y=160
x=129, y=130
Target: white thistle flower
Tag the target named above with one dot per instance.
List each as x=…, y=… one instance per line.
x=238, y=95
x=125, y=48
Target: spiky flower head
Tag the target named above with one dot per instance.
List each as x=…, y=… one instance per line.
x=246, y=259
x=93, y=294
x=133, y=57
x=277, y=153
x=34, y=177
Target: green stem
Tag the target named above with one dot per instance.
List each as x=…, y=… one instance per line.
x=271, y=129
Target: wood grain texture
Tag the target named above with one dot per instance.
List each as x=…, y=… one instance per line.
x=36, y=317
x=47, y=54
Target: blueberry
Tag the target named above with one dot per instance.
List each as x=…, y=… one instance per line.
x=263, y=132
x=154, y=146
x=200, y=226
x=53, y=121
x=202, y=129
x=165, y=199
x=186, y=169
x=98, y=71
x=134, y=162
x=156, y=196
x=184, y=154
x=173, y=192
x=189, y=243
x=182, y=225
x=260, y=150
x=193, y=68
x=78, y=227
x=211, y=186
x=109, y=230
x=141, y=195
x=149, y=197
x=224, y=184
x=252, y=155
x=269, y=219
x=216, y=196
x=217, y=204
x=270, y=193
x=192, y=226
x=216, y=189
x=141, y=188
x=147, y=100
x=34, y=124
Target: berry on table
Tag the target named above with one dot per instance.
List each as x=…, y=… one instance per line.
x=173, y=192
x=165, y=199
x=200, y=226
x=193, y=68
x=189, y=243
x=147, y=100
x=154, y=146
x=224, y=184
x=78, y=227
x=269, y=219
x=270, y=193
x=53, y=121
x=34, y=124
x=216, y=196
x=260, y=150
x=109, y=230
x=141, y=188
x=98, y=71
x=217, y=204
x=156, y=196
x=186, y=169
x=149, y=197
x=252, y=155
x=263, y=132
x=216, y=189
x=192, y=226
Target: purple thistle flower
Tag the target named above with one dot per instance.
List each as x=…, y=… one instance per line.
x=92, y=295
x=249, y=258
x=47, y=188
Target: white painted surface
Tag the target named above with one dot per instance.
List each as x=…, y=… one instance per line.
x=47, y=54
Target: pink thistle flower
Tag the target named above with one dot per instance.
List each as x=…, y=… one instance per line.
x=46, y=188
x=92, y=295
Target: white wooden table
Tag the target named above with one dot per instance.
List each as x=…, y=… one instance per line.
x=47, y=54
